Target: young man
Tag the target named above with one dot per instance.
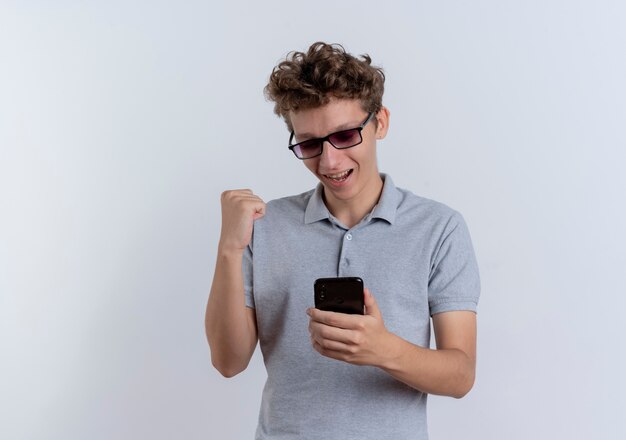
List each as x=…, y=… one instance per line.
x=334, y=375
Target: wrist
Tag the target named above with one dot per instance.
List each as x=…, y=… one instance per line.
x=226, y=251
x=395, y=350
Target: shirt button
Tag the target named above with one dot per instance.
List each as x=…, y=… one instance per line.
x=348, y=237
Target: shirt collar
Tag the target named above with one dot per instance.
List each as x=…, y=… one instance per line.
x=386, y=208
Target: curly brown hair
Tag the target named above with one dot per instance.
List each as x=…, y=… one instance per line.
x=309, y=80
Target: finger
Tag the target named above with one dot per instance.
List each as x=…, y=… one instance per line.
x=326, y=347
x=371, y=307
x=232, y=193
x=322, y=332
x=250, y=196
x=240, y=194
x=243, y=191
x=246, y=199
x=250, y=202
x=334, y=319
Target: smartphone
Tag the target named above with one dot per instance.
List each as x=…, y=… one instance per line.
x=343, y=295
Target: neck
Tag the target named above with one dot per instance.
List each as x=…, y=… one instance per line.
x=351, y=211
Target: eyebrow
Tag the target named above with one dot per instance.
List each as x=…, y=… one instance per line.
x=308, y=136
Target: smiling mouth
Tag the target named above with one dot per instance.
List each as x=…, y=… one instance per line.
x=340, y=177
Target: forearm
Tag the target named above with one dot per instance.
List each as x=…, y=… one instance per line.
x=448, y=372
x=231, y=336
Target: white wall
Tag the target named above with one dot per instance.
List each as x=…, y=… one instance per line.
x=122, y=122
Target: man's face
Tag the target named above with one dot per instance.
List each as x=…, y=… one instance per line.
x=350, y=174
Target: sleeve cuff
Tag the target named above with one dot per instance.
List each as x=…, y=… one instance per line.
x=453, y=306
x=249, y=300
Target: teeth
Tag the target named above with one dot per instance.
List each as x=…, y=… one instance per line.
x=339, y=176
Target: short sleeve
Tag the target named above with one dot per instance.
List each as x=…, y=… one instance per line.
x=454, y=282
x=246, y=267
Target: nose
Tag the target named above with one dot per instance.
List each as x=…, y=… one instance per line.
x=330, y=156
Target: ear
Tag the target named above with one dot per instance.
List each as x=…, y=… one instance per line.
x=382, y=119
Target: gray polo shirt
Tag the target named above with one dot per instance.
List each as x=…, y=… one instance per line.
x=415, y=256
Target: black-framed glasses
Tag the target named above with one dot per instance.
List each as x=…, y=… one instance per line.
x=339, y=139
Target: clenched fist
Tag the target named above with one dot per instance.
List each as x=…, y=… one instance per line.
x=240, y=208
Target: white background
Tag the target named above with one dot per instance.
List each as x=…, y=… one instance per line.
x=122, y=122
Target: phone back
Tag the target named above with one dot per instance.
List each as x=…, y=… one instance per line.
x=343, y=295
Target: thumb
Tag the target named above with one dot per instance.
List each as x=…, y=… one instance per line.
x=259, y=210
x=258, y=213
x=371, y=308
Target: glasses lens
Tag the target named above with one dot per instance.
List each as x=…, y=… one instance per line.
x=307, y=149
x=346, y=138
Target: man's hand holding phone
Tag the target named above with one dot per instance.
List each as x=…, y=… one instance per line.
x=353, y=338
